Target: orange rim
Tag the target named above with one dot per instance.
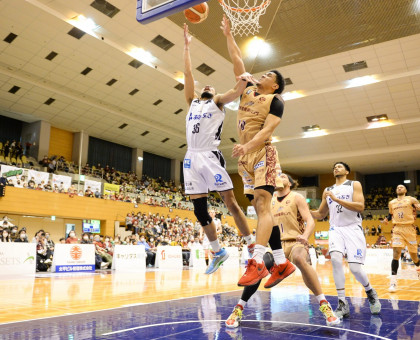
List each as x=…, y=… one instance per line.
x=253, y=9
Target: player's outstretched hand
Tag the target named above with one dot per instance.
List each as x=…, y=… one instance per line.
x=187, y=35
x=225, y=26
x=248, y=77
x=238, y=150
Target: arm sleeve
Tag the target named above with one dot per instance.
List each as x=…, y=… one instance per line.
x=277, y=107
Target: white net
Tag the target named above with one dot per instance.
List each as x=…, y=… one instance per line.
x=244, y=15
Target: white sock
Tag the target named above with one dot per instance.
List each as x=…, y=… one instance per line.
x=242, y=303
x=341, y=294
x=393, y=279
x=259, y=252
x=320, y=297
x=279, y=256
x=248, y=239
x=215, y=245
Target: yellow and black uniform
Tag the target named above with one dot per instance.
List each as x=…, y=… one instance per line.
x=287, y=217
x=403, y=214
x=258, y=166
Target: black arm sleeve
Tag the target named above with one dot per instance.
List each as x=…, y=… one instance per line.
x=277, y=107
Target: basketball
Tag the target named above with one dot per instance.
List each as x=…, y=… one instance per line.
x=197, y=13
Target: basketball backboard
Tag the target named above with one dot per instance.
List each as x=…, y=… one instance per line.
x=151, y=10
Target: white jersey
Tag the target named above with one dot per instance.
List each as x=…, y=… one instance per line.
x=204, y=125
x=340, y=216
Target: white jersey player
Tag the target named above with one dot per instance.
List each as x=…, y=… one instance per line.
x=204, y=165
x=344, y=202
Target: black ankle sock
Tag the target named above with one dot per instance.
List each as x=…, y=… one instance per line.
x=394, y=266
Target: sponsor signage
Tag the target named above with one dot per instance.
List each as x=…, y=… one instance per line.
x=70, y=258
x=197, y=257
x=129, y=258
x=168, y=257
x=17, y=258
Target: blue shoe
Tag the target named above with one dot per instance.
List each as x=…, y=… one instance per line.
x=218, y=258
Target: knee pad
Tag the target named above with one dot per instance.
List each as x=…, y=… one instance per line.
x=201, y=211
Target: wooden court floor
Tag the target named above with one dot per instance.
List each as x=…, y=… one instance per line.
x=50, y=295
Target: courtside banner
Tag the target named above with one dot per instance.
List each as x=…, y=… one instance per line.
x=71, y=258
x=378, y=261
x=197, y=257
x=17, y=258
x=129, y=258
x=233, y=260
x=169, y=257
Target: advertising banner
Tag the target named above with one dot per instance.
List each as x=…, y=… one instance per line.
x=94, y=185
x=17, y=258
x=57, y=179
x=73, y=258
x=197, y=257
x=111, y=188
x=38, y=176
x=129, y=258
x=169, y=257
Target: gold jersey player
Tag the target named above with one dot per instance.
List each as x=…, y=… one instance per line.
x=204, y=165
x=260, y=111
x=291, y=213
x=344, y=202
x=402, y=212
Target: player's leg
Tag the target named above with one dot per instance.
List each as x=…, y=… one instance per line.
x=410, y=237
x=234, y=320
x=299, y=257
x=229, y=199
x=396, y=255
x=201, y=213
x=356, y=252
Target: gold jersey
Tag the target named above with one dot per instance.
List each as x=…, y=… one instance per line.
x=403, y=210
x=252, y=113
x=287, y=217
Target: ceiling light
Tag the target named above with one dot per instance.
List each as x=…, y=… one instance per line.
x=140, y=158
x=314, y=133
x=361, y=81
x=85, y=24
x=407, y=181
x=292, y=95
x=142, y=55
x=258, y=47
x=310, y=128
x=377, y=118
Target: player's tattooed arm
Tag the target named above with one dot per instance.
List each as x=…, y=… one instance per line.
x=188, y=76
x=307, y=217
x=322, y=211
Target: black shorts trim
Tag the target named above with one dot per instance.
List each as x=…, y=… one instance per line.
x=268, y=188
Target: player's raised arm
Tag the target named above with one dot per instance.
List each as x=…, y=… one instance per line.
x=234, y=51
x=234, y=93
x=415, y=203
x=188, y=76
x=322, y=211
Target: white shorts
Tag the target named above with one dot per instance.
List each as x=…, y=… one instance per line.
x=205, y=171
x=350, y=241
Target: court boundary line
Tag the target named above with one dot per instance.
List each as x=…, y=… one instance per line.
x=124, y=306
x=266, y=321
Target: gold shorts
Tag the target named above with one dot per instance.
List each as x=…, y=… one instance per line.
x=289, y=247
x=260, y=168
x=405, y=236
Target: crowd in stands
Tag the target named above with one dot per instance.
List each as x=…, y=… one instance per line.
x=149, y=230
x=378, y=198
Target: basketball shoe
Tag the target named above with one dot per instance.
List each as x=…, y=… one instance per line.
x=254, y=273
x=234, y=319
x=328, y=313
x=393, y=284
x=279, y=273
x=374, y=303
x=218, y=258
x=343, y=309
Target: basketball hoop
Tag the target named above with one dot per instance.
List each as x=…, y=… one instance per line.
x=244, y=15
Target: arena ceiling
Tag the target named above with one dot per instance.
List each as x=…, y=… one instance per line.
x=76, y=81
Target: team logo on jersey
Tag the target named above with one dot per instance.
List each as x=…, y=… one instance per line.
x=248, y=92
x=249, y=103
x=259, y=165
x=262, y=99
x=218, y=178
x=248, y=186
x=187, y=163
x=279, y=209
x=359, y=254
